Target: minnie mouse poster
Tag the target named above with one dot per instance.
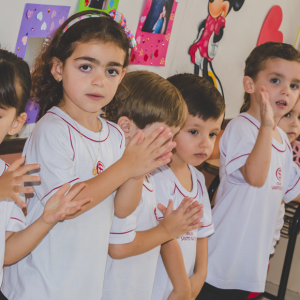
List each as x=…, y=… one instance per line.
x=211, y=31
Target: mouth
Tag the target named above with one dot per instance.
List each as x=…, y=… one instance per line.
x=291, y=133
x=201, y=155
x=281, y=103
x=95, y=96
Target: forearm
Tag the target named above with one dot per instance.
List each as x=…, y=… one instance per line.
x=256, y=168
x=128, y=197
x=143, y=242
x=101, y=186
x=173, y=261
x=21, y=243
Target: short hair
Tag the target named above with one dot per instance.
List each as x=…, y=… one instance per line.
x=14, y=71
x=145, y=98
x=257, y=59
x=202, y=98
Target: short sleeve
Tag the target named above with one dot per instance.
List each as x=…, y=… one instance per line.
x=17, y=219
x=293, y=185
x=164, y=190
x=123, y=231
x=208, y=227
x=235, y=145
x=51, y=147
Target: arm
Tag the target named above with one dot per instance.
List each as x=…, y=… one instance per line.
x=19, y=244
x=163, y=29
x=174, y=224
x=256, y=168
x=174, y=264
x=197, y=280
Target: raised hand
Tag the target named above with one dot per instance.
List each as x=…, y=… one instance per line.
x=11, y=181
x=141, y=158
x=61, y=207
x=178, y=222
x=266, y=111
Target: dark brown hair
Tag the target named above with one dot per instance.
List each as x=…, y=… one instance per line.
x=14, y=71
x=45, y=89
x=257, y=59
x=202, y=98
x=145, y=97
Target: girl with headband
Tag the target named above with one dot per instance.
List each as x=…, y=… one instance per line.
x=74, y=77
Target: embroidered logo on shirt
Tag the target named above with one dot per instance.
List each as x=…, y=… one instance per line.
x=189, y=236
x=278, y=184
x=100, y=167
x=278, y=174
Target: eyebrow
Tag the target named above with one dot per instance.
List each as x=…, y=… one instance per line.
x=97, y=62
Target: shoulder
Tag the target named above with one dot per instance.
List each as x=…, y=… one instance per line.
x=285, y=139
x=162, y=176
x=200, y=179
x=243, y=122
x=114, y=131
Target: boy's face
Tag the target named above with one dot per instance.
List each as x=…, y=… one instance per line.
x=196, y=140
x=281, y=78
x=290, y=123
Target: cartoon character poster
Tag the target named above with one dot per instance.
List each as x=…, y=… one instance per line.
x=105, y=5
x=211, y=31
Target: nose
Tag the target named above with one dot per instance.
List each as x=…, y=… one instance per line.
x=285, y=89
x=98, y=79
x=204, y=141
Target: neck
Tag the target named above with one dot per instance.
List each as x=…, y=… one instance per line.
x=177, y=165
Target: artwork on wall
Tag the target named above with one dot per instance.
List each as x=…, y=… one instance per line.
x=210, y=33
x=297, y=40
x=153, y=33
x=105, y=5
x=270, y=29
x=40, y=21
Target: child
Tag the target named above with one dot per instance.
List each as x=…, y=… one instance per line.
x=256, y=173
x=195, y=143
x=135, y=241
x=16, y=241
x=75, y=76
x=160, y=25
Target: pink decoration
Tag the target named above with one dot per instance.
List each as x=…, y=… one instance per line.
x=29, y=14
x=296, y=152
x=51, y=26
x=53, y=14
x=270, y=29
x=61, y=21
x=24, y=40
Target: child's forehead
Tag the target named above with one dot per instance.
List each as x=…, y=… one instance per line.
x=200, y=122
x=281, y=65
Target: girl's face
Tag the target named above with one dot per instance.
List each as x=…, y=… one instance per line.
x=164, y=12
x=281, y=78
x=290, y=123
x=91, y=75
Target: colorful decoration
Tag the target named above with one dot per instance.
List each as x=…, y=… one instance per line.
x=105, y=5
x=38, y=20
x=270, y=29
x=154, y=32
x=211, y=30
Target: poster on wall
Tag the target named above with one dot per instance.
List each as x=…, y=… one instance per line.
x=38, y=21
x=153, y=32
x=105, y=5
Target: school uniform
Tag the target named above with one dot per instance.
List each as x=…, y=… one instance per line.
x=69, y=263
x=245, y=216
x=168, y=187
x=132, y=278
x=11, y=219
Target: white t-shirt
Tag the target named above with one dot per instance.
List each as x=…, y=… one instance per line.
x=245, y=216
x=70, y=261
x=132, y=278
x=168, y=187
x=11, y=219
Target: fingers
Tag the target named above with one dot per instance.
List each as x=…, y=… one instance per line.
x=23, y=170
x=136, y=138
x=162, y=208
x=76, y=190
x=154, y=135
x=193, y=205
x=193, y=215
x=186, y=202
x=27, y=178
x=23, y=189
x=81, y=202
x=15, y=165
x=19, y=201
x=62, y=190
x=169, y=209
x=165, y=156
x=196, y=226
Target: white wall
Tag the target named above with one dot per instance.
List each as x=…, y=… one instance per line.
x=240, y=36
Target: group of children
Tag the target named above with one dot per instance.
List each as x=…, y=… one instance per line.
x=136, y=222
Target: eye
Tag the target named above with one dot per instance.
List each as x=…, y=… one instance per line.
x=193, y=132
x=275, y=80
x=212, y=135
x=298, y=117
x=113, y=72
x=85, y=68
x=287, y=115
x=294, y=86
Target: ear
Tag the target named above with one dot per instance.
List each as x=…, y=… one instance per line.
x=127, y=126
x=122, y=74
x=57, y=68
x=17, y=124
x=248, y=84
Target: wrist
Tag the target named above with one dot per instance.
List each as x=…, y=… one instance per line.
x=45, y=225
x=124, y=169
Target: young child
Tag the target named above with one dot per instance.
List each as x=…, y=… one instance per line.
x=16, y=241
x=256, y=172
x=195, y=143
x=75, y=76
x=160, y=25
x=135, y=241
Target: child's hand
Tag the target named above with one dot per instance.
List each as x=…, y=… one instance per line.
x=195, y=204
x=60, y=206
x=266, y=111
x=11, y=180
x=178, y=222
x=141, y=158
